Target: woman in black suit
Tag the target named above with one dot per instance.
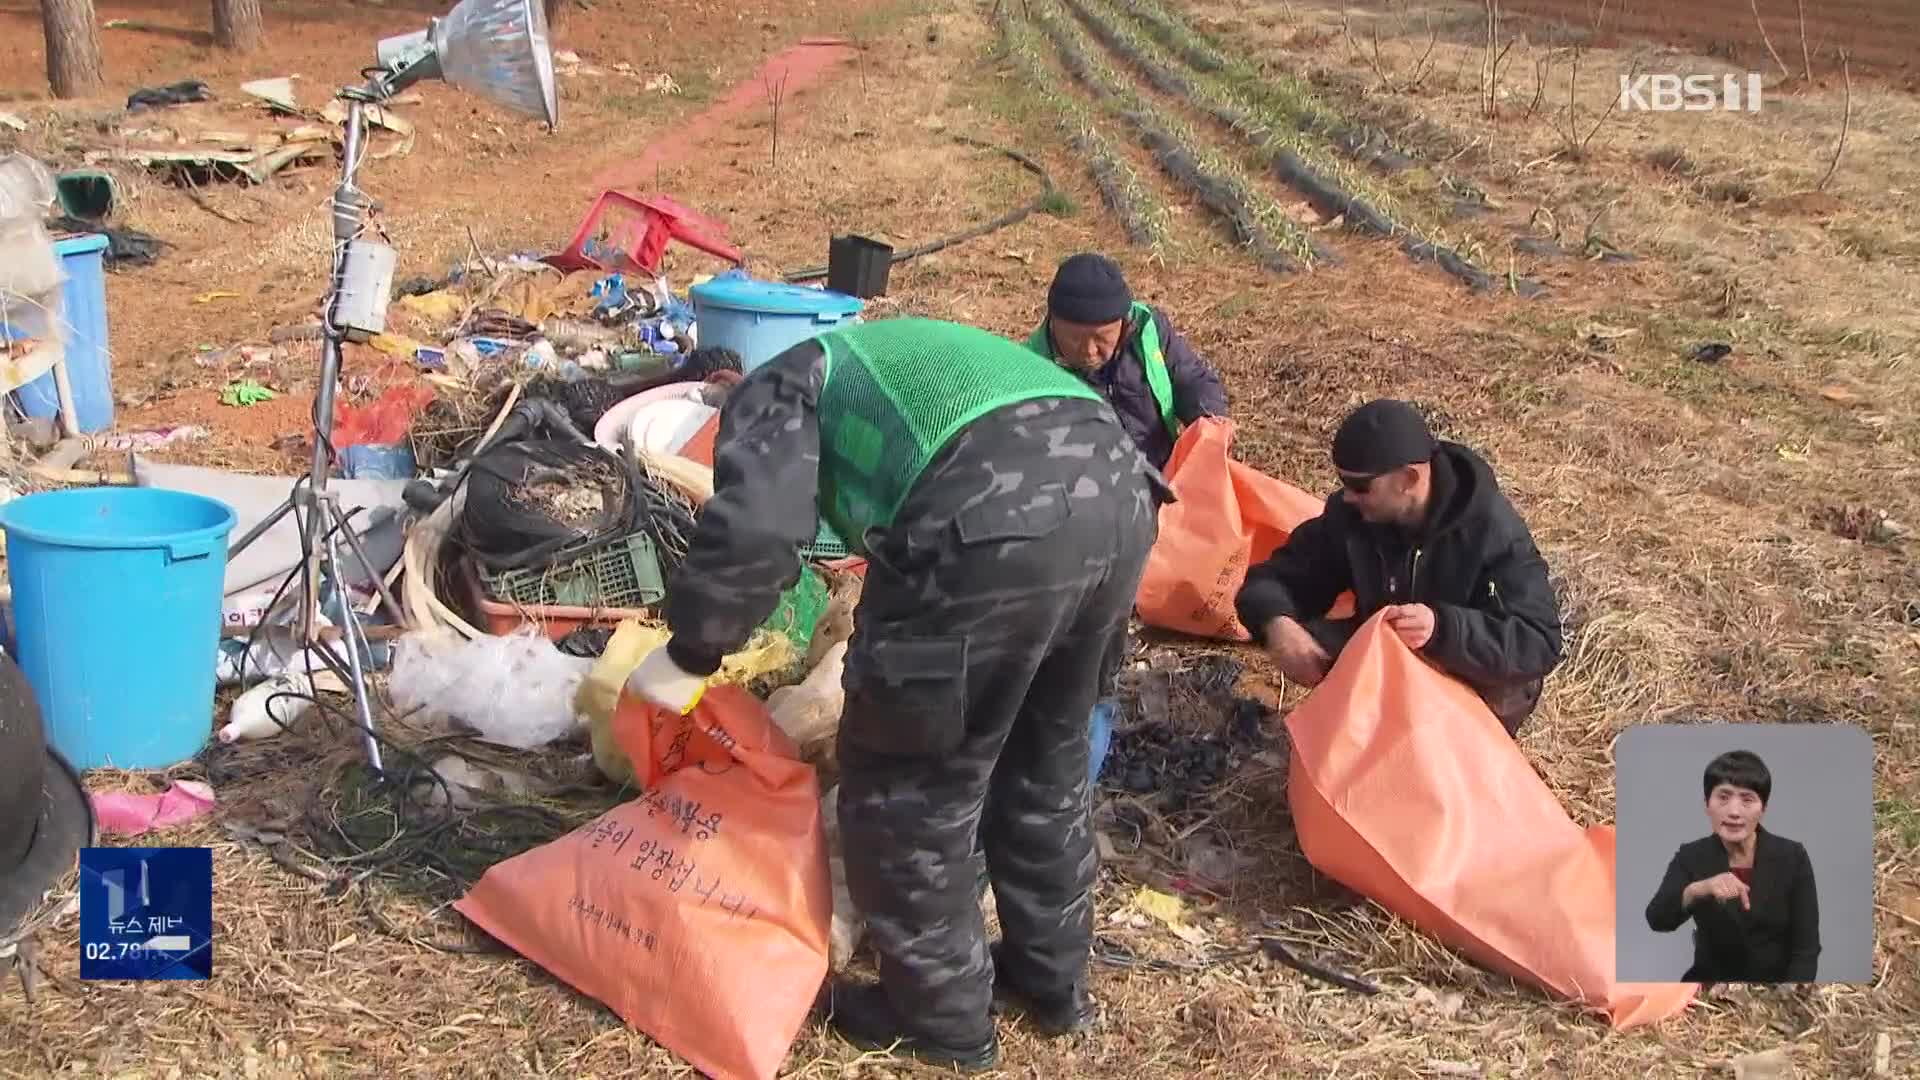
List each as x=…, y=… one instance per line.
x=1749, y=892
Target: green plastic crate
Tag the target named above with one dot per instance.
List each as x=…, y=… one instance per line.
x=827, y=546
x=623, y=575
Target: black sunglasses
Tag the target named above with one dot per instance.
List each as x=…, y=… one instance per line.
x=1359, y=485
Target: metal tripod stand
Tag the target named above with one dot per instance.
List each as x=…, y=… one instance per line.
x=316, y=506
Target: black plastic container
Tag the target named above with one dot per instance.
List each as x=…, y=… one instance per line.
x=858, y=266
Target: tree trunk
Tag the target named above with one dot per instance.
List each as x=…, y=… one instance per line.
x=237, y=26
x=74, y=67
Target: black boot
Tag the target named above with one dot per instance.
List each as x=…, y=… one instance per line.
x=1054, y=1015
x=862, y=1015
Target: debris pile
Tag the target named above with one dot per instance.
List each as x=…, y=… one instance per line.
x=1177, y=763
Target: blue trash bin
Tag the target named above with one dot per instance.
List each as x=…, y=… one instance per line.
x=89, y=364
x=116, y=613
x=762, y=319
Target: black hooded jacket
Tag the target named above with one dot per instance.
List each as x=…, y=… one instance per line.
x=1496, y=620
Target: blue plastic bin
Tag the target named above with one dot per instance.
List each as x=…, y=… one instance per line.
x=89, y=367
x=762, y=319
x=116, y=616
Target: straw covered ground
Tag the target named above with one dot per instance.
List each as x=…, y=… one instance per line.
x=1729, y=538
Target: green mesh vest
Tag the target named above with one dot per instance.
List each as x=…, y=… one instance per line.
x=896, y=392
x=1153, y=359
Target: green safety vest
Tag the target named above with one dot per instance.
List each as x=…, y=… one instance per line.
x=896, y=392
x=1152, y=357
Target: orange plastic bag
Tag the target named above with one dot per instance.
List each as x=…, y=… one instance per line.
x=697, y=912
x=1407, y=790
x=1228, y=517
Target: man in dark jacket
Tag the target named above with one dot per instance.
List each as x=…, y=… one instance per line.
x=1420, y=529
x=1749, y=892
x=1127, y=351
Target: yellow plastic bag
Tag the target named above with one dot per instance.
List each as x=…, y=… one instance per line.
x=441, y=308
x=599, y=696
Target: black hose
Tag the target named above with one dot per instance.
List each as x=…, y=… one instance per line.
x=1012, y=217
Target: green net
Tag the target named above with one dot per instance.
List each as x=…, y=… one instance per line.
x=800, y=609
x=897, y=390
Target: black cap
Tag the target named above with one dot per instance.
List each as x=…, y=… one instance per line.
x=1381, y=436
x=1089, y=289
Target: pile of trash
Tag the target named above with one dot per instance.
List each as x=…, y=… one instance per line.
x=518, y=454
x=1177, y=765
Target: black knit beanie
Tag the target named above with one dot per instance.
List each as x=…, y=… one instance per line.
x=1381, y=436
x=1089, y=289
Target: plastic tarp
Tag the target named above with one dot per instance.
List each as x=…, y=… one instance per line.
x=1406, y=789
x=277, y=551
x=1228, y=516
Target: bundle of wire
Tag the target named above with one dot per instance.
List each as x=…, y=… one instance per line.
x=406, y=817
x=668, y=517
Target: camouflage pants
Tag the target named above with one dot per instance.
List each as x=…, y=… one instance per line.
x=994, y=613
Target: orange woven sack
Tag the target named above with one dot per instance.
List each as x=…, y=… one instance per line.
x=1228, y=517
x=1406, y=789
x=697, y=912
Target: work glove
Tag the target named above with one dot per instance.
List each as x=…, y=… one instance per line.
x=663, y=682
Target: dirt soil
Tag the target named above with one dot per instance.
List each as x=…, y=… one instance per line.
x=1879, y=34
x=1719, y=531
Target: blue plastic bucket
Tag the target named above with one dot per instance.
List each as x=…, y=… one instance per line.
x=89, y=368
x=762, y=319
x=378, y=461
x=116, y=616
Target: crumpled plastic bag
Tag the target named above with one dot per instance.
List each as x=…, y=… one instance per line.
x=599, y=693
x=123, y=813
x=516, y=690
x=809, y=711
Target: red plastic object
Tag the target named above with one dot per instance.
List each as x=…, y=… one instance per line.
x=384, y=420
x=623, y=233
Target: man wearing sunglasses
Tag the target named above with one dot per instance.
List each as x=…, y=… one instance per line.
x=1420, y=530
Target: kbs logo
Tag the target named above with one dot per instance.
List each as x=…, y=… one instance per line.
x=1690, y=93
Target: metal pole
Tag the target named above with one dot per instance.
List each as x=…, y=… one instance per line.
x=315, y=507
x=349, y=209
x=356, y=641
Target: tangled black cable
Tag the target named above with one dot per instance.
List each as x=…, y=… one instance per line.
x=422, y=832
x=420, y=826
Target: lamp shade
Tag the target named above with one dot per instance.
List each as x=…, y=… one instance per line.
x=498, y=50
